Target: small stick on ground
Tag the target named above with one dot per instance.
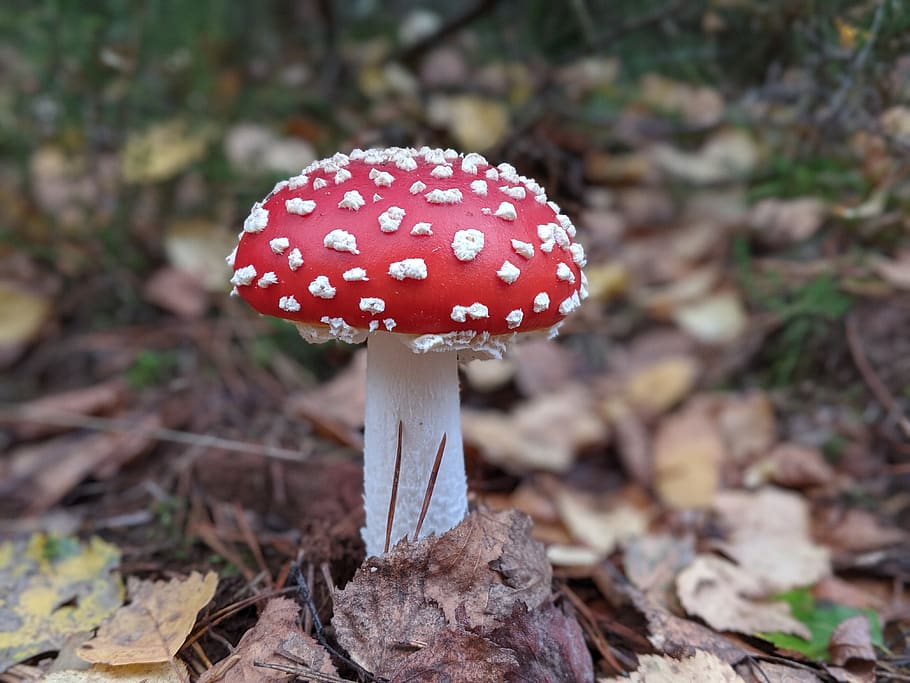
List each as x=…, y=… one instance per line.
x=431, y=485
x=394, y=498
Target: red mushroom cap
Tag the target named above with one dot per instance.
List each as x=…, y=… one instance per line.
x=420, y=242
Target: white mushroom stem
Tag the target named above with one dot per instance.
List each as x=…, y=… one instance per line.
x=421, y=390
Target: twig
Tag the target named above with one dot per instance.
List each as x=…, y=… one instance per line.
x=837, y=100
x=415, y=51
x=393, y=500
x=9, y=413
x=589, y=624
x=305, y=596
x=300, y=671
x=431, y=486
x=871, y=378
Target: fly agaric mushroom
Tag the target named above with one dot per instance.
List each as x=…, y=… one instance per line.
x=427, y=254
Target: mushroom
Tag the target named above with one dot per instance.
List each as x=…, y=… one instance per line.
x=428, y=255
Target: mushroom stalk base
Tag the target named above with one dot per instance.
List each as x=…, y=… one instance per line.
x=421, y=390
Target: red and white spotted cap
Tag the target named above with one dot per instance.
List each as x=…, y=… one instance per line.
x=445, y=248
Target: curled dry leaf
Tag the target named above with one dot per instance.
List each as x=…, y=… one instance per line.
x=701, y=667
x=599, y=529
x=456, y=656
x=769, y=537
x=688, y=452
x=472, y=576
x=728, y=598
x=852, y=652
x=727, y=156
x=784, y=222
x=543, y=433
x=793, y=466
x=274, y=633
x=716, y=319
x=154, y=625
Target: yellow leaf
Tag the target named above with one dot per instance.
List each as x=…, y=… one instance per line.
x=22, y=313
x=162, y=151
x=688, y=452
x=134, y=673
x=476, y=123
x=53, y=586
x=154, y=626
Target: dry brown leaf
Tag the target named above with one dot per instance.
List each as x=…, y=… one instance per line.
x=651, y=562
x=542, y=433
x=896, y=272
x=472, y=576
x=596, y=527
x=252, y=148
x=702, y=667
x=726, y=157
x=769, y=537
x=784, y=222
x=698, y=105
x=541, y=366
x=90, y=400
x=456, y=656
x=633, y=442
x=721, y=594
x=165, y=672
x=655, y=388
x=688, y=452
x=336, y=407
x=747, y=422
x=852, y=652
x=275, y=630
x=176, y=291
x=756, y=671
x=791, y=465
x=548, y=644
x=716, y=319
x=859, y=531
x=154, y=625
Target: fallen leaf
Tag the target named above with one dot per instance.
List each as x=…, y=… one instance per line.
x=456, y=656
x=652, y=562
x=488, y=375
x=851, y=642
x=53, y=587
x=176, y=291
x=688, y=453
x=599, y=529
x=785, y=222
x=548, y=644
x=23, y=313
x=162, y=151
x=716, y=319
x=252, y=148
x=198, y=247
x=896, y=272
x=727, y=156
x=541, y=366
x=655, y=388
x=728, y=598
x=756, y=671
x=769, y=537
x=95, y=399
x=476, y=123
x=472, y=576
x=544, y=432
x=165, y=672
x=155, y=623
x=443, y=67
x=822, y=621
x=702, y=667
x=336, y=407
x=896, y=122
x=858, y=531
x=562, y=555
x=275, y=632
x=698, y=105
x=746, y=421
x=791, y=465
